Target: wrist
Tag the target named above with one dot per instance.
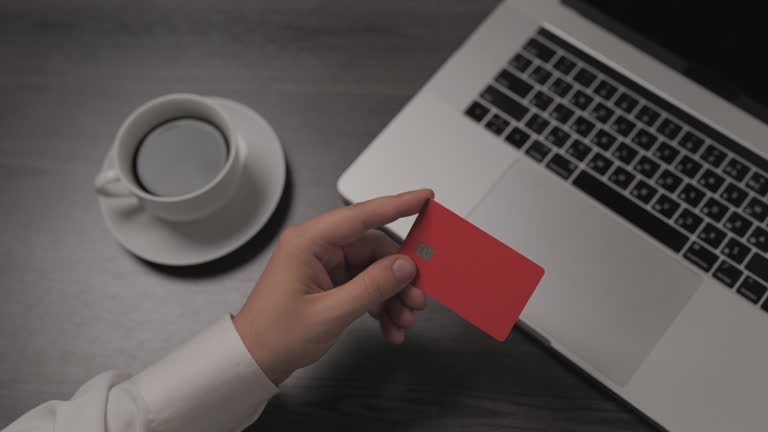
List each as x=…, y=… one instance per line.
x=260, y=352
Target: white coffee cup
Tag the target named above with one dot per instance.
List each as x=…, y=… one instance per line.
x=120, y=181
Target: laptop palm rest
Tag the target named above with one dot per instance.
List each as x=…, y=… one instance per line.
x=609, y=293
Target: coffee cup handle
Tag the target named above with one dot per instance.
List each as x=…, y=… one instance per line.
x=108, y=184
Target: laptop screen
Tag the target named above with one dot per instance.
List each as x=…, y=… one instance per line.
x=718, y=45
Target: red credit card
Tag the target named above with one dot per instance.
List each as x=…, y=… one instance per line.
x=480, y=278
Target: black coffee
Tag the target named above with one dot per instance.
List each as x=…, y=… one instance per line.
x=179, y=157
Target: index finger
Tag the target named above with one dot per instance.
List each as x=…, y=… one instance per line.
x=347, y=224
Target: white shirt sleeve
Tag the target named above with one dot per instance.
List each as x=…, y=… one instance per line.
x=211, y=383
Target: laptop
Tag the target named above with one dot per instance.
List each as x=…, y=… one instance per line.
x=621, y=146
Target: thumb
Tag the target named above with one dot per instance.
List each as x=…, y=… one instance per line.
x=374, y=285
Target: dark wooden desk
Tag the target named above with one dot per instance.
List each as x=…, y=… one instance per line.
x=328, y=75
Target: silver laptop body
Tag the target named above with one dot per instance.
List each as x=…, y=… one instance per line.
x=666, y=313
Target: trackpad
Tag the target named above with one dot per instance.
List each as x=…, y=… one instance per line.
x=609, y=292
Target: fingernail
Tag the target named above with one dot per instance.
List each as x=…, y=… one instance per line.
x=404, y=269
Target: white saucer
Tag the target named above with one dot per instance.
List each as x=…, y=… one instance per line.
x=227, y=228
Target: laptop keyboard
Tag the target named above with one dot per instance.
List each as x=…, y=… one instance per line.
x=696, y=191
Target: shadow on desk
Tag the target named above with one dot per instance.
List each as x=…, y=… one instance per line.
x=371, y=386
x=447, y=376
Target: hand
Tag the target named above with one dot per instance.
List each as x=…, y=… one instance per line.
x=323, y=275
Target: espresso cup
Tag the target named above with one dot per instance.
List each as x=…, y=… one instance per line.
x=121, y=181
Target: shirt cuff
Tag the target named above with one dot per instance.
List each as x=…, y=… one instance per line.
x=209, y=383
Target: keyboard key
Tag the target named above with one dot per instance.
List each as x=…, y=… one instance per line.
x=759, y=239
x=691, y=142
x=625, y=153
x=758, y=183
x=736, y=250
x=601, y=112
x=538, y=151
x=647, y=115
x=647, y=167
x=560, y=87
x=581, y=100
x=691, y=195
x=666, y=152
x=582, y=126
x=520, y=62
x=666, y=206
x=497, y=124
x=727, y=273
x=712, y=235
x=565, y=65
x=599, y=163
x=736, y=169
x=558, y=137
x=541, y=100
x=505, y=103
x=561, y=166
x=514, y=84
x=537, y=123
x=626, y=103
x=621, y=177
x=605, y=90
x=584, y=77
x=561, y=113
x=713, y=156
x=644, y=139
x=643, y=191
x=539, y=50
x=737, y=224
x=688, y=167
x=751, y=289
x=759, y=266
x=714, y=209
x=756, y=209
x=603, y=139
x=579, y=150
x=711, y=180
x=540, y=75
x=734, y=195
x=631, y=211
x=669, y=180
x=669, y=128
x=623, y=126
x=700, y=256
x=517, y=137
x=688, y=221
x=477, y=111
